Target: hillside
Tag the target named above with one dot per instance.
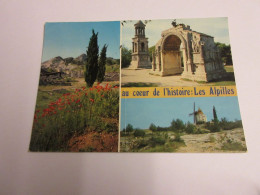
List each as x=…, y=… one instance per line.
x=73, y=67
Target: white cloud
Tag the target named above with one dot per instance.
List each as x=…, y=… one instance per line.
x=216, y=27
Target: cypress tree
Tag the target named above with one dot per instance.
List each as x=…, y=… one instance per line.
x=91, y=68
x=215, y=114
x=102, y=64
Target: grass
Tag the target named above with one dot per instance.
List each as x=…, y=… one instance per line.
x=222, y=83
x=233, y=146
x=44, y=97
x=229, y=68
x=184, y=79
x=112, y=68
x=168, y=147
x=139, y=85
x=151, y=142
x=212, y=139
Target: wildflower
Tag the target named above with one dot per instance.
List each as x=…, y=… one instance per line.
x=92, y=100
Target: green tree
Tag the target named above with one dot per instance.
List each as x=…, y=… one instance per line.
x=177, y=125
x=126, y=55
x=129, y=128
x=139, y=133
x=153, y=127
x=102, y=64
x=151, y=51
x=225, y=53
x=190, y=128
x=215, y=117
x=91, y=68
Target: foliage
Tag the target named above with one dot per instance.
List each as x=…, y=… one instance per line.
x=92, y=60
x=129, y=128
x=162, y=128
x=227, y=125
x=225, y=53
x=139, y=133
x=178, y=138
x=151, y=51
x=156, y=140
x=74, y=114
x=140, y=84
x=177, y=125
x=213, y=127
x=190, y=128
x=126, y=57
x=102, y=64
x=153, y=127
x=113, y=68
x=215, y=117
x=111, y=61
x=231, y=145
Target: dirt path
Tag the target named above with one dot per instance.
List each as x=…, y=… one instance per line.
x=212, y=142
x=143, y=76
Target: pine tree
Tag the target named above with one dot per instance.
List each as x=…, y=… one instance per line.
x=92, y=60
x=102, y=64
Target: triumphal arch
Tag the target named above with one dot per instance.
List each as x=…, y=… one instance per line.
x=192, y=54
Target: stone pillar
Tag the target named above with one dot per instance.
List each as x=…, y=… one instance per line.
x=153, y=61
x=201, y=53
x=159, y=59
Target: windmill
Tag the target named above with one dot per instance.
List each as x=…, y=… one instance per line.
x=194, y=114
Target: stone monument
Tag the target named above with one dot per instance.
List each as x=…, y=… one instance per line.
x=140, y=53
x=192, y=54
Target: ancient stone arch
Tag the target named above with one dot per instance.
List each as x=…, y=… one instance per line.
x=192, y=54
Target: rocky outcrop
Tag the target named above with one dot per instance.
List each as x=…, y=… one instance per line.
x=73, y=67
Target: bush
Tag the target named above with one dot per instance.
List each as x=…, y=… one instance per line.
x=213, y=127
x=178, y=138
x=190, y=128
x=156, y=141
x=177, y=125
x=139, y=133
x=126, y=56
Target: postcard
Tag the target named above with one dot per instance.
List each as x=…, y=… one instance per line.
x=137, y=86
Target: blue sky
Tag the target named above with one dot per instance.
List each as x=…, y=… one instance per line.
x=70, y=39
x=161, y=111
x=216, y=27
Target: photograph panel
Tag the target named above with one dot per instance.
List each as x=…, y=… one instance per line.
x=77, y=107
x=184, y=125
x=176, y=52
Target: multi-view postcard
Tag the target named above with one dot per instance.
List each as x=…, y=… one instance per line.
x=138, y=86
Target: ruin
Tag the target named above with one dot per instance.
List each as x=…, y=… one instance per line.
x=192, y=54
x=140, y=52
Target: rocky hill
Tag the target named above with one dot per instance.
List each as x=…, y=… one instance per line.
x=73, y=67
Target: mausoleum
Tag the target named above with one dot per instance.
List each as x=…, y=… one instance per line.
x=140, y=52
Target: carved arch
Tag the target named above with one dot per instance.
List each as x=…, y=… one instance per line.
x=183, y=41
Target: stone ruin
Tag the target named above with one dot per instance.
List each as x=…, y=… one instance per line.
x=192, y=54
